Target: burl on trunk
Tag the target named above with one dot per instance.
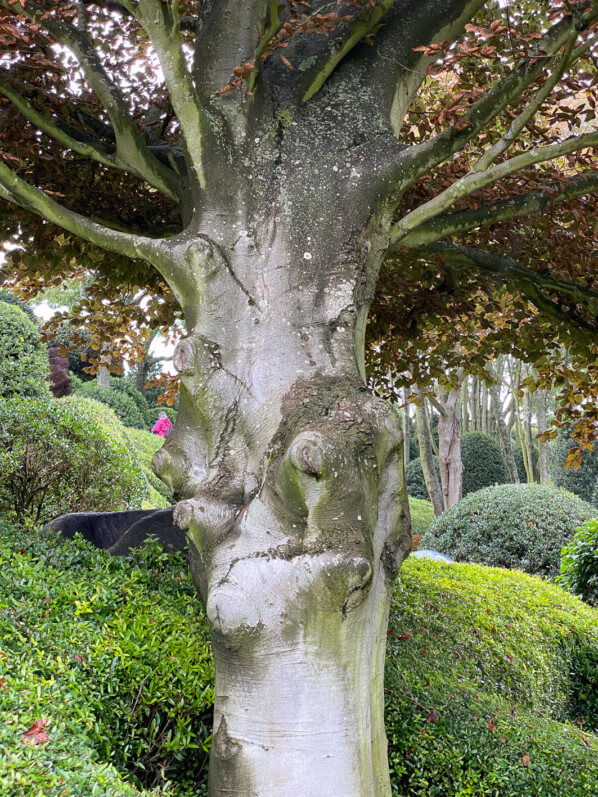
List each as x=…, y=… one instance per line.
x=290, y=479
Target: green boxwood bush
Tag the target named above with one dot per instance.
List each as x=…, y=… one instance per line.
x=114, y=653
x=144, y=445
x=483, y=462
x=122, y=404
x=584, y=481
x=55, y=457
x=484, y=668
x=490, y=685
x=23, y=360
x=579, y=564
x=422, y=515
x=521, y=526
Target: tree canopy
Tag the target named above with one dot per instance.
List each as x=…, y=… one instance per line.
x=104, y=113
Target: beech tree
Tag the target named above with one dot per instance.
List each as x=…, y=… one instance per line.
x=271, y=163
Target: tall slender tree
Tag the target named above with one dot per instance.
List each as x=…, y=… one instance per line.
x=265, y=160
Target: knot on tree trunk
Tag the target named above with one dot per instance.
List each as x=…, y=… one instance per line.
x=324, y=518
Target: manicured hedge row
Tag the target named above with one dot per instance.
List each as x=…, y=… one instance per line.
x=485, y=670
x=521, y=526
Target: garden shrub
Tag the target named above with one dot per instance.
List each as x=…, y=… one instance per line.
x=126, y=385
x=56, y=458
x=484, y=668
x=490, y=683
x=422, y=515
x=23, y=359
x=483, y=462
x=114, y=653
x=144, y=445
x=579, y=564
x=122, y=404
x=584, y=481
x=521, y=526
x=414, y=475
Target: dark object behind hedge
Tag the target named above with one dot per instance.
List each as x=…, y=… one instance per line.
x=121, y=532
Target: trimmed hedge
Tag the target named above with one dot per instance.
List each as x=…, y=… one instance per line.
x=486, y=671
x=122, y=404
x=579, y=565
x=144, y=445
x=485, y=667
x=56, y=457
x=23, y=359
x=483, y=462
x=422, y=515
x=114, y=654
x=521, y=526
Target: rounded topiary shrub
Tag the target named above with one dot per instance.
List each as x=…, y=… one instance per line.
x=579, y=564
x=521, y=526
x=56, y=458
x=483, y=462
x=416, y=485
x=584, y=481
x=122, y=404
x=23, y=360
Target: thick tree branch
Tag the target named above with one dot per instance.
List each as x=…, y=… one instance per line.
x=162, y=27
x=228, y=34
x=420, y=159
x=131, y=147
x=527, y=204
x=27, y=196
x=529, y=282
x=51, y=129
x=354, y=32
x=474, y=181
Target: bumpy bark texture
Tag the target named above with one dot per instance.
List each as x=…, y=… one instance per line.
x=288, y=471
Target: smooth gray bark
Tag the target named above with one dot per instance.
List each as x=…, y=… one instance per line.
x=503, y=433
x=449, y=446
x=426, y=454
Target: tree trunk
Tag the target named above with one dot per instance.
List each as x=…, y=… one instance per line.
x=528, y=436
x=475, y=410
x=503, y=433
x=449, y=447
x=543, y=469
x=290, y=484
x=426, y=455
x=406, y=426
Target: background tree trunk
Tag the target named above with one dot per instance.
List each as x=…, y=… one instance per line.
x=426, y=454
x=449, y=446
x=503, y=433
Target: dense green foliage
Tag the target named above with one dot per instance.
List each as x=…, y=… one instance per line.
x=119, y=400
x=483, y=462
x=416, y=486
x=579, y=564
x=144, y=445
x=520, y=526
x=422, y=515
x=484, y=667
x=584, y=481
x=114, y=654
x=56, y=457
x=23, y=360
